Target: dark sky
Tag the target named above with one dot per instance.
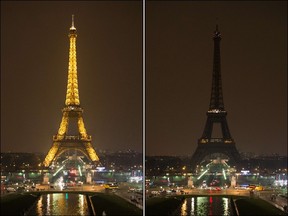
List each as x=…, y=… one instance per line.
x=34, y=66
x=179, y=73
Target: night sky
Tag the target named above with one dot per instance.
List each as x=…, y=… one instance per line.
x=179, y=73
x=34, y=66
x=179, y=61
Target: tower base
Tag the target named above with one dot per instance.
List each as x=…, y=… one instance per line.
x=73, y=143
x=205, y=149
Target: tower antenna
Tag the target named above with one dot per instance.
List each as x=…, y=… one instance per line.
x=73, y=21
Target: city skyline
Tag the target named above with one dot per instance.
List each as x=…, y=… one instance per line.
x=179, y=61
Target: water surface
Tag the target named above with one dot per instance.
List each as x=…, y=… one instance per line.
x=212, y=205
x=60, y=204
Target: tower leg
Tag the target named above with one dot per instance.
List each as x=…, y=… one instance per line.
x=51, y=154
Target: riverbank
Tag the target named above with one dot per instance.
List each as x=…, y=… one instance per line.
x=256, y=206
x=163, y=205
x=104, y=202
x=17, y=203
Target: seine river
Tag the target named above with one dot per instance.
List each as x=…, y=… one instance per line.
x=212, y=205
x=60, y=204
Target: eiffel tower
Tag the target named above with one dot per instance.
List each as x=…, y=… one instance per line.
x=216, y=114
x=69, y=140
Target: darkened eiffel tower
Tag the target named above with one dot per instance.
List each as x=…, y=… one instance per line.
x=208, y=145
x=67, y=138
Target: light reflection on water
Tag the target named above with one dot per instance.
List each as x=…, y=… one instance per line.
x=184, y=207
x=61, y=204
x=205, y=206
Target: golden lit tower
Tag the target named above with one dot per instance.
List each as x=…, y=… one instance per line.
x=67, y=138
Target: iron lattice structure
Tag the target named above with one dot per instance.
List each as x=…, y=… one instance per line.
x=72, y=111
x=216, y=114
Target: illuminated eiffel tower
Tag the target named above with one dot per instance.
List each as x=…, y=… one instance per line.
x=72, y=112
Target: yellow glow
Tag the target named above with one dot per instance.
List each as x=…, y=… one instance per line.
x=204, y=141
x=63, y=126
x=39, y=206
x=91, y=152
x=81, y=127
x=184, y=208
x=72, y=103
x=72, y=95
x=51, y=154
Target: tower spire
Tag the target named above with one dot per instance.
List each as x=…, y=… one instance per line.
x=72, y=20
x=216, y=100
x=72, y=26
x=72, y=95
